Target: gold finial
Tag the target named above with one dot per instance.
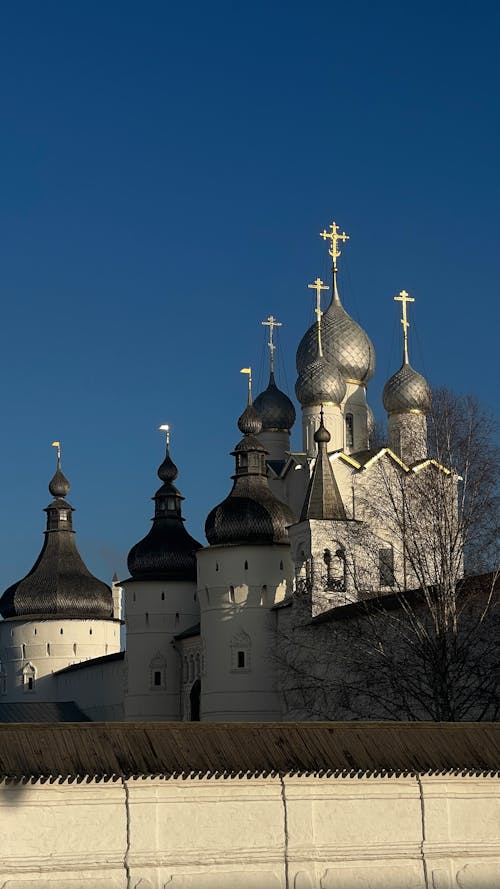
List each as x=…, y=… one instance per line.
x=57, y=444
x=248, y=372
x=318, y=286
x=166, y=429
x=334, y=237
x=271, y=323
x=404, y=298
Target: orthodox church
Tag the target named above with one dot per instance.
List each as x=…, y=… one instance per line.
x=202, y=621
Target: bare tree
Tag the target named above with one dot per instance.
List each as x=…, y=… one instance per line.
x=426, y=647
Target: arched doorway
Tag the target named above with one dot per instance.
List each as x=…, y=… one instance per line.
x=194, y=701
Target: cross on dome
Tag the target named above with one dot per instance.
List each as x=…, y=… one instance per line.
x=404, y=298
x=318, y=286
x=334, y=237
x=271, y=323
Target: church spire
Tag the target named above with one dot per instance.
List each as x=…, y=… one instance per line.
x=323, y=500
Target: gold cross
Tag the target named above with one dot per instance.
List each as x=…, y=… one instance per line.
x=318, y=286
x=404, y=298
x=334, y=236
x=271, y=323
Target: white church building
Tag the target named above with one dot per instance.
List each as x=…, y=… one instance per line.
x=202, y=620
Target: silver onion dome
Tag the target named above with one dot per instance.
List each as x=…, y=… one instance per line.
x=406, y=390
x=319, y=381
x=344, y=341
x=274, y=408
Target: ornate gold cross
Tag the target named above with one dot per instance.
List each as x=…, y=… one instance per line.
x=271, y=323
x=318, y=286
x=334, y=237
x=404, y=298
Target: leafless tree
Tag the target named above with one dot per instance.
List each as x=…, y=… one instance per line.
x=427, y=647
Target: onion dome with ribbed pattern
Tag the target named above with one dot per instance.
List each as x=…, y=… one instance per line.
x=168, y=552
x=344, y=342
x=59, y=585
x=251, y=514
x=274, y=408
x=406, y=391
x=319, y=380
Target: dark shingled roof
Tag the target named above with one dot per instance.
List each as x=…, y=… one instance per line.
x=115, y=750
x=189, y=633
x=323, y=500
x=91, y=662
x=41, y=711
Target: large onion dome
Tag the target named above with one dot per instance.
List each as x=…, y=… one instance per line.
x=344, y=342
x=168, y=551
x=406, y=391
x=59, y=585
x=319, y=380
x=274, y=408
x=251, y=514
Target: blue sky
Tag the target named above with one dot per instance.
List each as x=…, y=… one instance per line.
x=165, y=170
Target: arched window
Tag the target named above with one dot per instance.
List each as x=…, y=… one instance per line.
x=335, y=565
x=29, y=677
x=158, y=673
x=240, y=652
x=349, y=430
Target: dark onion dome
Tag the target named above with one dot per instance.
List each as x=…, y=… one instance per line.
x=168, y=552
x=274, y=408
x=59, y=585
x=406, y=391
x=251, y=513
x=250, y=422
x=344, y=342
x=319, y=381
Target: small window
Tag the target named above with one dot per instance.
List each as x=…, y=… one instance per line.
x=176, y=618
x=147, y=617
x=63, y=515
x=30, y=683
x=231, y=594
x=281, y=565
x=61, y=631
x=163, y=597
x=386, y=566
x=349, y=430
x=90, y=631
x=34, y=632
x=171, y=503
x=246, y=565
x=157, y=678
x=216, y=566
x=241, y=660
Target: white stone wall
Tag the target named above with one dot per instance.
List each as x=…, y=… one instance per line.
x=156, y=611
x=258, y=833
x=235, y=603
x=37, y=648
x=96, y=688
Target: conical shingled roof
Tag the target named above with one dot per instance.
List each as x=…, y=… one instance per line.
x=59, y=584
x=167, y=552
x=323, y=500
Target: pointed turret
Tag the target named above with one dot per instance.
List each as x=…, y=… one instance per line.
x=168, y=551
x=59, y=584
x=323, y=500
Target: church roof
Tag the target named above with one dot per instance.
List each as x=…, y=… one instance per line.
x=59, y=584
x=323, y=500
x=85, y=751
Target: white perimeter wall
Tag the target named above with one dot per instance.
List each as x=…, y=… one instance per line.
x=259, y=833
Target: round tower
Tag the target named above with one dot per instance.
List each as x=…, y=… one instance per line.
x=245, y=570
x=275, y=409
x=407, y=400
x=160, y=602
x=59, y=614
x=349, y=347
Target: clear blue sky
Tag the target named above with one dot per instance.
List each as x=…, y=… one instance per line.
x=165, y=171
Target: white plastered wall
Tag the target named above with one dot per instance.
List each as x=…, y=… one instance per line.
x=253, y=833
x=236, y=616
x=156, y=611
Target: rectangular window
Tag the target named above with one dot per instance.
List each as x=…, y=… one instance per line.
x=386, y=566
x=349, y=430
x=30, y=683
x=157, y=678
x=241, y=660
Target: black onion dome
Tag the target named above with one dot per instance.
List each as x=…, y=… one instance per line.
x=406, y=390
x=251, y=513
x=250, y=422
x=59, y=584
x=274, y=408
x=344, y=342
x=167, y=552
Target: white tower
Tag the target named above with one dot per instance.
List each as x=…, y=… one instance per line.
x=59, y=614
x=161, y=602
x=244, y=571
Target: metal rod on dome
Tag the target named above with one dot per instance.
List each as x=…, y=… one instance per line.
x=57, y=444
x=248, y=372
x=318, y=286
x=271, y=323
x=166, y=429
x=404, y=298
